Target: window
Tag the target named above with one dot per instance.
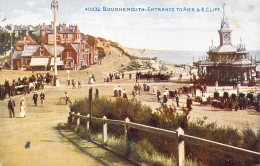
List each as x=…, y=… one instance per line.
x=68, y=54
x=41, y=51
x=81, y=63
x=16, y=33
x=64, y=36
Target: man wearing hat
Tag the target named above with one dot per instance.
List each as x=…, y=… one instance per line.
x=35, y=97
x=11, y=106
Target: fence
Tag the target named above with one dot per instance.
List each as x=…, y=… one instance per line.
x=179, y=134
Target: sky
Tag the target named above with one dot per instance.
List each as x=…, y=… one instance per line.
x=185, y=31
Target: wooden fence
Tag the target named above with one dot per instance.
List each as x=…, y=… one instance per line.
x=178, y=134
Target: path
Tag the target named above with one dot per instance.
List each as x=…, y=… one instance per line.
x=46, y=145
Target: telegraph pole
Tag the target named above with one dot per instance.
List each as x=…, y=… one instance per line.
x=55, y=6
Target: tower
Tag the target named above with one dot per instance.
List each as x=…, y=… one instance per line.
x=225, y=31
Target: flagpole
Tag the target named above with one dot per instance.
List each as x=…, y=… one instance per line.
x=54, y=5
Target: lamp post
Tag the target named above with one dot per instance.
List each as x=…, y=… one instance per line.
x=55, y=6
x=68, y=79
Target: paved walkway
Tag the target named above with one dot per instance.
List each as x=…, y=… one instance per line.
x=35, y=140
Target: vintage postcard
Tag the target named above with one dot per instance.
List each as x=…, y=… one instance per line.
x=127, y=82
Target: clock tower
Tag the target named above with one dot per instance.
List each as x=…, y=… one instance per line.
x=225, y=31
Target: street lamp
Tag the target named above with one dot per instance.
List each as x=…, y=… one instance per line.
x=68, y=79
x=55, y=6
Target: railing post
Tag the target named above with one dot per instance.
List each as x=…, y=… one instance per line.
x=127, y=146
x=181, y=148
x=104, y=131
x=88, y=128
x=78, y=122
x=72, y=120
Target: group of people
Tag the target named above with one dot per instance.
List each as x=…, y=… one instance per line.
x=118, y=92
x=24, y=85
x=23, y=104
x=114, y=75
x=74, y=83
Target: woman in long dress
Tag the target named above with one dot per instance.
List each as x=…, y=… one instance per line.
x=23, y=107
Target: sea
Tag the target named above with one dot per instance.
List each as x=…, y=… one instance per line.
x=187, y=57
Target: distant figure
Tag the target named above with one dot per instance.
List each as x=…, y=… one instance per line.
x=67, y=98
x=158, y=96
x=124, y=94
x=42, y=96
x=22, y=107
x=189, y=103
x=74, y=84
x=155, y=89
x=11, y=106
x=119, y=91
x=148, y=87
x=79, y=84
x=115, y=92
x=35, y=97
x=165, y=99
x=177, y=100
x=130, y=76
x=134, y=93
x=97, y=93
x=139, y=88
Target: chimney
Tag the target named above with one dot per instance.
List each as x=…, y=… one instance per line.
x=60, y=26
x=64, y=26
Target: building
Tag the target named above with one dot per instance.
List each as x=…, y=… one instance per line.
x=64, y=34
x=22, y=52
x=227, y=64
x=74, y=49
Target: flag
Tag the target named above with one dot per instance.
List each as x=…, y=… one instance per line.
x=237, y=25
x=4, y=19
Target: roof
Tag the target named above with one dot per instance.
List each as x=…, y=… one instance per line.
x=243, y=62
x=76, y=47
x=39, y=62
x=50, y=49
x=17, y=54
x=59, y=62
x=225, y=48
x=29, y=50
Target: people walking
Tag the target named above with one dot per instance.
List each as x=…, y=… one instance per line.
x=134, y=93
x=158, y=96
x=155, y=89
x=97, y=93
x=165, y=99
x=177, y=101
x=11, y=106
x=42, y=96
x=124, y=94
x=115, y=92
x=67, y=98
x=119, y=91
x=79, y=84
x=35, y=97
x=22, y=107
x=189, y=103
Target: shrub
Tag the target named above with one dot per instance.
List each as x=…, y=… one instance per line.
x=167, y=118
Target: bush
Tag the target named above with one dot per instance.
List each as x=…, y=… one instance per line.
x=167, y=118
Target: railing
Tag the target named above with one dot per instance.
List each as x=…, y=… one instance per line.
x=179, y=135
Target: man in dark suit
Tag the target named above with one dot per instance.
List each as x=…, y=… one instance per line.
x=11, y=106
x=35, y=97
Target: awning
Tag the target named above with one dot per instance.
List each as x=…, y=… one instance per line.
x=59, y=62
x=39, y=62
